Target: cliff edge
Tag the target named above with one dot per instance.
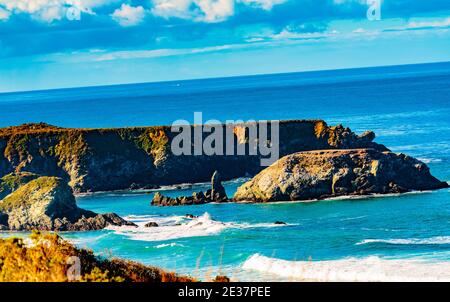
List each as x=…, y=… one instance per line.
x=93, y=160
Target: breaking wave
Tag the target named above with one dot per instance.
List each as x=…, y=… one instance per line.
x=174, y=227
x=351, y=269
x=409, y=241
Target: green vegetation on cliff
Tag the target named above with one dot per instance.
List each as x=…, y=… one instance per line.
x=140, y=157
x=34, y=191
x=11, y=182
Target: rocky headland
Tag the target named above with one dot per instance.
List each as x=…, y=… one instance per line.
x=42, y=166
x=93, y=160
x=47, y=203
x=330, y=173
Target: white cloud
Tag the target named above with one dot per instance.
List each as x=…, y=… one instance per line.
x=4, y=14
x=50, y=10
x=359, y=31
x=205, y=10
x=427, y=24
x=101, y=55
x=215, y=11
x=264, y=4
x=172, y=8
x=198, y=10
x=287, y=34
x=128, y=15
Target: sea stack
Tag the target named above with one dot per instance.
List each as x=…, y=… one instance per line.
x=328, y=173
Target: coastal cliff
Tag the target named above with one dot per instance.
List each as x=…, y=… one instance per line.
x=92, y=160
x=330, y=173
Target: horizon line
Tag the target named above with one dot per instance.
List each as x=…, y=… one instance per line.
x=224, y=77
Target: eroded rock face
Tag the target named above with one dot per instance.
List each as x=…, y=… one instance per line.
x=328, y=173
x=116, y=159
x=47, y=203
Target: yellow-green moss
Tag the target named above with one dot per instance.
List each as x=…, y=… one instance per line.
x=153, y=140
x=12, y=181
x=23, y=195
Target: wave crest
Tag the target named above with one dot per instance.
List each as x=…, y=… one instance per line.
x=351, y=269
x=174, y=227
x=409, y=241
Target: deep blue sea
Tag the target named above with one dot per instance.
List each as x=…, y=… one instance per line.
x=396, y=237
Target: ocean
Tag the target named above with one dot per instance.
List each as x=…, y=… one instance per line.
x=392, y=238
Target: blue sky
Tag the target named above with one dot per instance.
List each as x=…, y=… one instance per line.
x=70, y=43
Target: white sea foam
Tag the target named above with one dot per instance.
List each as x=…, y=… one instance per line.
x=429, y=160
x=351, y=269
x=346, y=197
x=409, y=241
x=354, y=218
x=159, y=246
x=174, y=227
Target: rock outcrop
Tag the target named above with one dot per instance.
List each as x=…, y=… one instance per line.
x=328, y=173
x=215, y=194
x=93, y=160
x=47, y=203
x=11, y=182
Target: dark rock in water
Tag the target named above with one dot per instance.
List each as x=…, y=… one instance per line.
x=199, y=197
x=280, y=222
x=328, y=173
x=47, y=203
x=151, y=225
x=161, y=200
x=217, y=190
x=215, y=194
x=191, y=216
x=92, y=221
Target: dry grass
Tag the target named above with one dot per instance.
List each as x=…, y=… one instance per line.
x=44, y=258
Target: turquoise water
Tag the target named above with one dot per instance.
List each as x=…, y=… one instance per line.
x=381, y=238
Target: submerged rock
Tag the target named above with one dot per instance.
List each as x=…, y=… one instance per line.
x=47, y=203
x=328, y=173
x=215, y=194
x=151, y=225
